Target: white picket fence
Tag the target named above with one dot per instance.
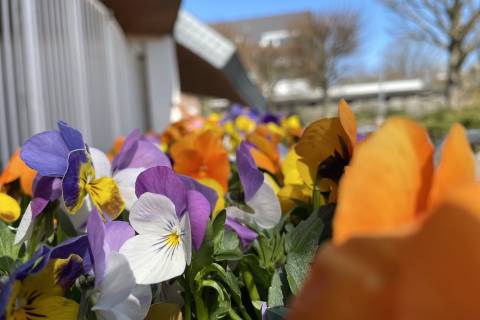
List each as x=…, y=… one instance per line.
x=66, y=60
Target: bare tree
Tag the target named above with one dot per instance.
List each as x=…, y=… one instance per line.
x=321, y=45
x=406, y=59
x=452, y=25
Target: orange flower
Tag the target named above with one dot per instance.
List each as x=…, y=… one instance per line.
x=202, y=155
x=430, y=274
x=179, y=129
x=326, y=146
x=117, y=146
x=391, y=183
x=265, y=154
x=17, y=169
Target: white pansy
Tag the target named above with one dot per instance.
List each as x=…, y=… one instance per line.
x=119, y=298
x=162, y=248
x=266, y=207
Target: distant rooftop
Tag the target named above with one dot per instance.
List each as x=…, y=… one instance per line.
x=254, y=28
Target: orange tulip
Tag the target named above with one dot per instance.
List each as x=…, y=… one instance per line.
x=17, y=169
x=429, y=274
x=202, y=155
x=391, y=184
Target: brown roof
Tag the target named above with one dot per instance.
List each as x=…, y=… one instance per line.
x=145, y=17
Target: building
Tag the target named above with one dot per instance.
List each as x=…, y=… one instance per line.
x=265, y=31
x=264, y=45
x=107, y=67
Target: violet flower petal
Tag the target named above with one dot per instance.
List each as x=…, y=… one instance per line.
x=116, y=233
x=46, y=153
x=207, y=192
x=96, y=236
x=246, y=235
x=139, y=153
x=199, y=211
x=72, y=137
x=45, y=189
x=162, y=180
x=250, y=177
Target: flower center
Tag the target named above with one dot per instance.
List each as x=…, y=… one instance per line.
x=173, y=238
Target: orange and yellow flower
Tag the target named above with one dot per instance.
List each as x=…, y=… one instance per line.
x=429, y=274
x=201, y=155
x=391, y=184
x=16, y=169
x=405, y=233
x=325, y=148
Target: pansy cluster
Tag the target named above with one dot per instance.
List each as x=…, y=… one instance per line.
x=242, y=216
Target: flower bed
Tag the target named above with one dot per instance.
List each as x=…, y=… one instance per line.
x=221, y=217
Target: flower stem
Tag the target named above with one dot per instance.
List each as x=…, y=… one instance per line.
x=317, y=198
x=250, y=284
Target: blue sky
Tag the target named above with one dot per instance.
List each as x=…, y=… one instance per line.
x=375, y=18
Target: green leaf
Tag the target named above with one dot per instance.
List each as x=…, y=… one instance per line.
x=8, y=251
x=301, y=245
x=261, y=276
x=278, y=291
x=270, y=249
x=228, y=248
x=277, y=313
x=66, y=228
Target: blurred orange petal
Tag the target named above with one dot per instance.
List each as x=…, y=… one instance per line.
x=219, y=169
x=26, y=180
x=17, y=169
x=386, y=183
x=13, y=169
x=320, y=139
x=262, y=161
x=456, y=167
x=266, y=146
x=431, y=274
x=188, y=162
x=349, y=123
x=202, y=155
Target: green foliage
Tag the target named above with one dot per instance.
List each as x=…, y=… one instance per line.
x=438, y=123
x=8, y=251
x=301, y=245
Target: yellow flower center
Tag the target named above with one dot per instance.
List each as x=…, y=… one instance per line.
x=173, y=239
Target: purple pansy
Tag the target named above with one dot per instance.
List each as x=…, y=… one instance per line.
x=47, y=152
x=114, y=280
x=245, y=234
x=73, y=268
x=250, y=177
x=138, y=152
x=259, y=195
x=104, y=239
x=45, y=190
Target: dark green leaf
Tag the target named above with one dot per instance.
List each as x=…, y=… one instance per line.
x=277, y=313
x=300, y=245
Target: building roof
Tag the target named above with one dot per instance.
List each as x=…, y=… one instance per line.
x=145, y=17
x=209, y=64
x=253, y=28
